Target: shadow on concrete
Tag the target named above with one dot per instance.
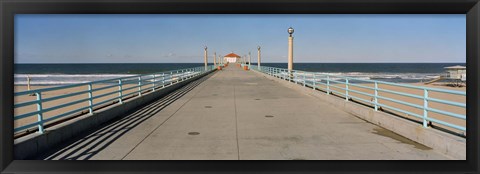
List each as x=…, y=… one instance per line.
x=88, y=144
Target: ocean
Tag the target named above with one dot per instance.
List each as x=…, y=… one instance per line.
x=59, y=74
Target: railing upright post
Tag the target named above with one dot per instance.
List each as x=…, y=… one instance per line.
x=376, y=98
x=425, y=107
x=90, y=101
x=304, y=79
x=295, y=75
x=120, y=90
x=154, y=81
x=171, y=77
x=346, y=88
x=140, y=86
x=180, y=76
x=40, y=112
x=328, y=84
x=314, y=81
x=163, y=80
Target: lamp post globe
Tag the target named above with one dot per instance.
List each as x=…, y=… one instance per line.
x=205, y=47
x=290, y=31
x=258, y=47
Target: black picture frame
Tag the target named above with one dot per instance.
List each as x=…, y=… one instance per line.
x=8, y=8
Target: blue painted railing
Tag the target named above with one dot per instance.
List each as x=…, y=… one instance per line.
x=326, y=82
x=143, y=84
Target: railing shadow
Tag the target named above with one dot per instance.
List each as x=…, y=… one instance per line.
x=88, y=144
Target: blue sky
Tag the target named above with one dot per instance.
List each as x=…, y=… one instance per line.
x=180, y=38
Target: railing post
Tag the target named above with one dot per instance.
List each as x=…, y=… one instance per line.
x=295, y=77
x=286, y=75
x=40, y=112
x=120, y=95
x=346, y=88
x=180, y=77
x=376, y=98
x=314, y=81
x=154, y=81
x=304, y=82
x=163, y=80
x=90, y=101
x=171, y=77
x=328, y=84
x=140, y=86
x=425, y=107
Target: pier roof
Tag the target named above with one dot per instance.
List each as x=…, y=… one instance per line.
x=232, y=55
x=456, y=67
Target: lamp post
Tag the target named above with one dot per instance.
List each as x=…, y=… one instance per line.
x=205, y=59
x=215, y=59
x=220, y=59
x=290, y=49
x=258, y=61
x=249, y=59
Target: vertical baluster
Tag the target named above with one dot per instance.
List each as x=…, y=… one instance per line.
x=177, y=75
x=163, y=80
x=328, y=84
x=90, y=100
x=295, y=77
x=376, y=98
x=425, y=107
x=120, y=90
x=154, y=81
x=314, y=81
x=181, y=75
x=40, y=112
x=346, y=88
x=304, y=79
x=171, y=77
x=140, y=86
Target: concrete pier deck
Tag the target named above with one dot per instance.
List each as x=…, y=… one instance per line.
x=239, y=115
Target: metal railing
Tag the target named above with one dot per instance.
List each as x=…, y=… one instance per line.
x=125, y=88
x=330, y=84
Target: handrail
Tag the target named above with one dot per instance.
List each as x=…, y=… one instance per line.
x=312, y=79
x=144, y=83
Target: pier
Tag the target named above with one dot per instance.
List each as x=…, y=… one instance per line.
x=234, y=114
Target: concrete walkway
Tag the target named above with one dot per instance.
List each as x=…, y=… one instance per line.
x=235, y=114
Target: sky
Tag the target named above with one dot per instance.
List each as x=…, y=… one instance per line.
x=180, y=38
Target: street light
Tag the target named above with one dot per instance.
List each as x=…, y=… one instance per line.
x=290, y=31
x=249, y=59
x=205, y=58
x=258, y=61
x=290, y=51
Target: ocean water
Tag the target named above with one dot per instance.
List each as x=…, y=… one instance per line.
x=389, y=72
x=58, y=74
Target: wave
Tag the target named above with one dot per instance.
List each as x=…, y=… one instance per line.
x=390, y=77
x=64, y=79
x=71, y=75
